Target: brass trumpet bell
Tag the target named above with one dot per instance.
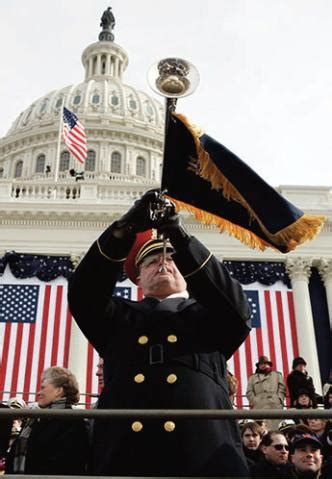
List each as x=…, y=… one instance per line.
x=173, y=77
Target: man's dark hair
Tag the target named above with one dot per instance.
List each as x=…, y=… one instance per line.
x=253, y=426
x=267, y=439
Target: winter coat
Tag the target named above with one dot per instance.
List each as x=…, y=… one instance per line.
x=266, y=391
x=55, y=447
x=296, y=380
x=163, y=355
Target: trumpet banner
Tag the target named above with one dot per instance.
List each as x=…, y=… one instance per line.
x=205, y=178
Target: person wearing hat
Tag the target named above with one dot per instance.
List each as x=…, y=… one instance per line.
x=298, y=379
x=306, y=456
x=266, y=388
x=167, y=351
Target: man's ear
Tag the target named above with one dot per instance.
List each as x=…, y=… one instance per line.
x=263, y=449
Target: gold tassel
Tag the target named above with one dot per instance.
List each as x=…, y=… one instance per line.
x=303, y=229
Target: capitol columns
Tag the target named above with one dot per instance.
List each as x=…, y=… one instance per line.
x=299, y=271
x=325, y=270
x=78, y=351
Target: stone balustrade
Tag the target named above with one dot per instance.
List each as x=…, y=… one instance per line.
x=102, y=187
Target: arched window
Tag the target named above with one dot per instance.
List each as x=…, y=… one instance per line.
x=40, y=163
x=90, y=162
x=96, y=99
x=116, y=162
x=18, y=169
x=1, y=172
x=58, y=102
x=77, y=99
x=140, y=166
x=115, y=100
x=64, y=161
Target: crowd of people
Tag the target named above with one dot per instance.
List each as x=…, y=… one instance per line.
x=291, y=450
x=167, y=351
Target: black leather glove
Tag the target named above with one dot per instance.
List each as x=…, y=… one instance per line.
x=139, y=217
x=172, y=227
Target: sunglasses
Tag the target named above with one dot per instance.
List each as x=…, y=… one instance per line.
x=280, y=447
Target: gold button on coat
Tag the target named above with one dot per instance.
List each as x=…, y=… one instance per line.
x=137, y=426
x=171, y=378
x=172, y=338
x=169, y=426
x=143, y=339
x=139, y=378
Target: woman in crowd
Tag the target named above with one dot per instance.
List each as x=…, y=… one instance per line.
x=52, y=446
x=328, y=399
x=303, y=401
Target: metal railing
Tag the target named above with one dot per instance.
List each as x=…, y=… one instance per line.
x=155, y=414
x=169, y=413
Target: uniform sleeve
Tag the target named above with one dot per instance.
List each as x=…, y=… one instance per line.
x=92, y=284
x=210, y=283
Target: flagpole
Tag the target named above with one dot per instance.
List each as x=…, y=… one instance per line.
x=57, y=159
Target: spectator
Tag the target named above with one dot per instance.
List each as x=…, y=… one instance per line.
x=251, y=436
x=233, y=385
x=328, y=384
x=52, y=446
x=16, y=403
x=285, y=426
x=266, y=388
x=100, y=374
x=317, y=426
x=167, y=351
x=299, y=379
x=263, y=425
x=306, y=456
x=328, y=399
x=303, y=401
x=320, y=428
x=274, y=463
x=5, y=432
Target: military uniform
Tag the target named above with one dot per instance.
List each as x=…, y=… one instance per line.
x=163, y=355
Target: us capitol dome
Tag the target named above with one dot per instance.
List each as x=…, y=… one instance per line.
x=124, y=129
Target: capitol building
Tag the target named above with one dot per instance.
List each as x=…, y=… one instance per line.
x=46, y=211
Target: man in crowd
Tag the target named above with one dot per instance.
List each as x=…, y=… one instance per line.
x=251, y=435
x=168, y=351
x=274, y=463
x=266, y=388
x=100, y=374
x=306, y=456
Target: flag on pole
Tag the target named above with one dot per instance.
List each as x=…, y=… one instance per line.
x=208, y=180
x=74, y=135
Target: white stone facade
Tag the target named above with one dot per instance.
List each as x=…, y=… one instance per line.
x=125, y=138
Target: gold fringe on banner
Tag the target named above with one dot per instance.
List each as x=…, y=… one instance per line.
x=303, y=229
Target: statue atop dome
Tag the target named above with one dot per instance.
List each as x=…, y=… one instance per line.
x=107, y=21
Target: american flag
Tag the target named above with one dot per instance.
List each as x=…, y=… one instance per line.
x=40, y=337
x=35, y=327
x=74, y=135
x=273, y=334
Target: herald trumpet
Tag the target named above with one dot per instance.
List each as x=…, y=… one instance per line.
x=173, y=77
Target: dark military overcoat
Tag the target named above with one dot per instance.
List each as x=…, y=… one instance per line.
x=163, y=355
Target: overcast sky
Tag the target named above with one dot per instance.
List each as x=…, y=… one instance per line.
x=265, y=69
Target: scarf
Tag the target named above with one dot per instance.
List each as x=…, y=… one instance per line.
x=21, y=444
